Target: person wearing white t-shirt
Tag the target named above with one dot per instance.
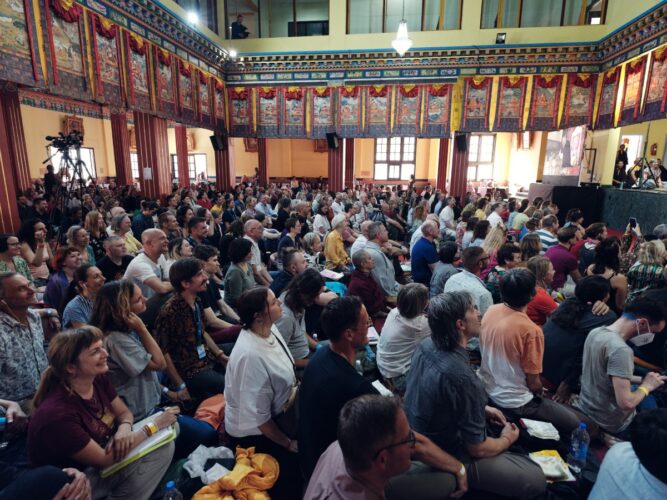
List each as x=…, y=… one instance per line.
x=447, y=220
x=254, y=232
x=494, y=217
x=149, y=269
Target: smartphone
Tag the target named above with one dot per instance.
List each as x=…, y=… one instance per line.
x=633, y=222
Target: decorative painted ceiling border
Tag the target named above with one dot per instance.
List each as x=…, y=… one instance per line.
x=51, y=102
x=148, y=18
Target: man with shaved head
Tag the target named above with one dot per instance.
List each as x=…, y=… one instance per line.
x=362, y=239
x=149, y=269
x=424, y=254
x=253, y=230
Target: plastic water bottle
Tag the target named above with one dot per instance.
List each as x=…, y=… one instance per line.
x=358, y=367
x=576, y=459
x=172, y=493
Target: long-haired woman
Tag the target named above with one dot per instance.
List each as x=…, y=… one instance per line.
x=36, y=251
x=542, y=304
x=97, y=229
x=607, y=264
x=77, y=305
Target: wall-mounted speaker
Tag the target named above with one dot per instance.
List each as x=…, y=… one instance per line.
x=219, y=142
x=461, y=142
x=332, y=140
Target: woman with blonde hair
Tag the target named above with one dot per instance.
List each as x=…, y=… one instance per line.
x=495, y=238
x=530, y=246
x=648, y=271
x=121, y=225
x=96, y=227
x=79, y=419
x=334, y=248
x=78, y=237
x=178, y=249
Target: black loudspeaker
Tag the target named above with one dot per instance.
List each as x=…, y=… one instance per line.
x=588, y=199
x=461, y=143
x=219, y=142
x=332, y=140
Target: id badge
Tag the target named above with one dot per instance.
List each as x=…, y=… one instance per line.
x=201, y=352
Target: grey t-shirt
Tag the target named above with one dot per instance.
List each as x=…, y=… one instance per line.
x=134, y=382
x=606, y=355
x=292, y=327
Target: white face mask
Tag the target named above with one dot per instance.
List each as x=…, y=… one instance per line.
x=642, y=338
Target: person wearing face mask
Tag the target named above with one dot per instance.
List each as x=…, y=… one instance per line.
x=608, y=394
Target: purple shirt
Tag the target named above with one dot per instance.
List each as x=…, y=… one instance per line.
x=564, y=263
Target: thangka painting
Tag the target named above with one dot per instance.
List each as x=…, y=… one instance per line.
x=107, y=59
x=656, y=91
x=268, y=111
x=185, y=87
x=377, y=111
x=239, y=112
x=437, y=110
x=544, y=102
x=349, y=112
x=166, y=92
x=294, y=117
x=67, y=46
x=607, y=103
x=219, y=103
x=205, y=100
x=407, y=111
x=18, y=56
x=476, y=103
x=579, y=100
x=140, y=85
x=321, y=110
x=632, y=91
x=511, y=97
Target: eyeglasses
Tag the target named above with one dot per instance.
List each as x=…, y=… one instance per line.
x=412, y=439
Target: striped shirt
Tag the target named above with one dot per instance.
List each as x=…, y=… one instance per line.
x=78, y=309
x=546, y=238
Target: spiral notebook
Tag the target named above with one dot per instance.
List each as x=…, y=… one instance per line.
x=162, y=437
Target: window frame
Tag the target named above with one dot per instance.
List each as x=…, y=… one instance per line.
x=421, y=16
x=294, y=21
x=402, y=163
x=476, y=164
x=134, y=164
x=603, y=16
x=54, y=153
x=192, y=166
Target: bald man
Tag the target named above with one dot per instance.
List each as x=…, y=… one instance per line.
x=253, y=230
x=149, y=269
x=424, y=254
x=362, y=239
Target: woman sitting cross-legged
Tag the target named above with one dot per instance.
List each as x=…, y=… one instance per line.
x=80, y=421
x=260, y=389
x=135, y=360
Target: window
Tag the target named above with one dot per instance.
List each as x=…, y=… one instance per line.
x=394, y=158
x=276, y=18
x=535, y=13
x=207, y=10
x=481, y=153
x=134, y=165
x=196, y=166
x=383, y=16
x=88, y=170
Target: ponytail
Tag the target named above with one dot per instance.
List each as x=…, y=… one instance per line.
x=47, y=384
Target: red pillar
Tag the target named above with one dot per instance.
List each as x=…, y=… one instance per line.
x=443, y=157
x=262, y=163
x=223, y=175
x=335, y=169
x=349, y=163
x=182, y=156
x=153, y=151
x=9, y=210
x=459, y=172
x=120, y=136
x=13, y=123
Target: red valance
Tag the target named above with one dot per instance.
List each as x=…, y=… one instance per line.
x=137, y=44
x=660, y=55
x=322, y=92
x=409, y=90
x=545, y=83
x=203, y=78
x=378, y=90
x=484, y=82
x=238, y=94
x=349, y=91
x=184, y=68
x=438, y=90
x=67, y=10
x=105, y=28
x=578, y=81
x=267, y=92
x=611, y=77
x=507, y=82
x=219, y=85
x=635, y=67
x=164, y=57
x=293, y=94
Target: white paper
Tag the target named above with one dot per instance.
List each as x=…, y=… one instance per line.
x=373, y=335
x=382, y=389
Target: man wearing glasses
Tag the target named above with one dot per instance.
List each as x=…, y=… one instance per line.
x=373, y=452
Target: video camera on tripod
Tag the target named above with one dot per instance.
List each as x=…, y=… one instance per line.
x=64, y=142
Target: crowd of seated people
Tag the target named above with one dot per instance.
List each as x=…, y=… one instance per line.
x=114, y=307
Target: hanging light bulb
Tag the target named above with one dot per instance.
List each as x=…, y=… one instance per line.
x=402, y=42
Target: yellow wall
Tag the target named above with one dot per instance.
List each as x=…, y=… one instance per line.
x=656, y=135
x=305, y=161
x=38, y=123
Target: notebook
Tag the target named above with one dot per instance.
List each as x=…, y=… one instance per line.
x=162, y=437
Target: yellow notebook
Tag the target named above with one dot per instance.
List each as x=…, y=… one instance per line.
x=162, y=437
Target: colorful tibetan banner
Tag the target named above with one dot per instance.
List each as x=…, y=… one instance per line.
x=437, y=108
x=544, y=102
x=511, y=99
x=349, y=112
x=320, y=116
x=407, y=110
x=579, y=100
x=186, y=92
x=219, y=103
x=268, y=107
x=204, y=101
x=378, y=110
x=294, y=112
x=139, y=94
x=476, y=104
x=656, y=90
x=240, y=116
x=608, y=94
x=20, y=55
x=107, y=56
x=632, y=91
x=66, y=43
x=165, y=83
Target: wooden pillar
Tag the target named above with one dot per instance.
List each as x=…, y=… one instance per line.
x=349, y=163
x=153, y=151
x=9, y=210
x=459, y=172
x=223, y=175
x=13, y=128
x=443, y=157
x=182, y=156
x=335, y=169
x=262, y=163
x=120, y=136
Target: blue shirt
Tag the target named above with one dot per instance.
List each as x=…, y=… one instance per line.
x=423, y=254
x=78, y=309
